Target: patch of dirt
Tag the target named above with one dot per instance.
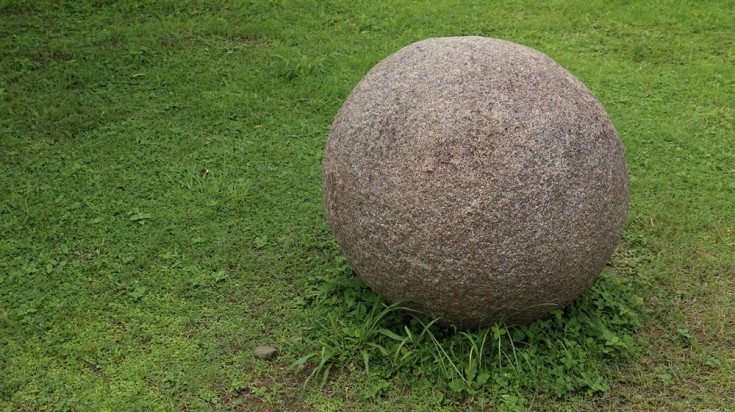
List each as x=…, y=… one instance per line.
x=278, y=391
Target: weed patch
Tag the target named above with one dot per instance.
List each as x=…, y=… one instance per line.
x=568, y=352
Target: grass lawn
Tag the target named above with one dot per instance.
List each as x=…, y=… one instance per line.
x=131, y=279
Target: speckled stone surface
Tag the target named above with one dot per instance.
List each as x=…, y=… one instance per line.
x=477, y=179
x=266, y=352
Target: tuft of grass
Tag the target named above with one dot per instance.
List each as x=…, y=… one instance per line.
x=571, y=351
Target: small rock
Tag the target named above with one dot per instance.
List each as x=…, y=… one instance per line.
x=266, y=352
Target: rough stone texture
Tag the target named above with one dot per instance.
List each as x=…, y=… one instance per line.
x=477, y=179
x=266, y=352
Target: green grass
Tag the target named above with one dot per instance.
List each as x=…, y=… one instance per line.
x=129, y=282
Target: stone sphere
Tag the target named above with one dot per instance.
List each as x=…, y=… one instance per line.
x=475, y=180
